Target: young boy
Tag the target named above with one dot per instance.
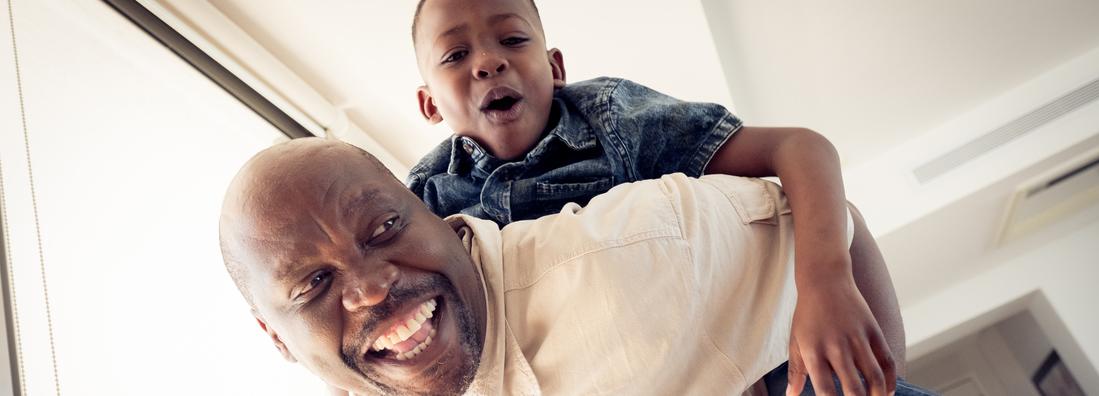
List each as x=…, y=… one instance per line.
x=526, y=143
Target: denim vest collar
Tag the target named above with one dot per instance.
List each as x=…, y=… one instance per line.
x=570, y=130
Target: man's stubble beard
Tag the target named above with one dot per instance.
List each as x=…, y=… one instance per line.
x=468, y=338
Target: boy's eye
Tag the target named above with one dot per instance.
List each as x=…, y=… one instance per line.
x=455, y=56
x=514, y=41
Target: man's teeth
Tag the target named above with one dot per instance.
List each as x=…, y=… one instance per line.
x=405, y=330
x=419, y=348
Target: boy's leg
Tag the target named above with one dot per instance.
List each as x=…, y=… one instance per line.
x=873, y=281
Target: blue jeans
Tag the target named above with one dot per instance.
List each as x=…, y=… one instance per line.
x=777, y=379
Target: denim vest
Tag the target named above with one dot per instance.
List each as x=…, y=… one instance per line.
x=609, y=131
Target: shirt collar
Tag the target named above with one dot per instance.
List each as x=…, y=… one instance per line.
x=570, y=129
x=503, y=368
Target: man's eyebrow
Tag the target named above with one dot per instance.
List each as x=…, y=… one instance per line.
x=287, y=272
x=358, y=203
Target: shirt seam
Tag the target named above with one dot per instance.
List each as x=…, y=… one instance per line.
x=610, y=127
x=509, y=337
x=691, y=255
x=595, y=248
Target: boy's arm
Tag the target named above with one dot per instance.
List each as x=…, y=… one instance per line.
x=833, y=328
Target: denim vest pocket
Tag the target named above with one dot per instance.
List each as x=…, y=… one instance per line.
x=547, y=190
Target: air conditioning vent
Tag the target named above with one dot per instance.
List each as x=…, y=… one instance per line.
x=1053, y=197
x=1004, y=134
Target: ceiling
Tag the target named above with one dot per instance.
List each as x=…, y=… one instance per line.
x=885, y=81
x=359, y=54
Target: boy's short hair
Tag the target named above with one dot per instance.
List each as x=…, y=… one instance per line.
x=420, y=6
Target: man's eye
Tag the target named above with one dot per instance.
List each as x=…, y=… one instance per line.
x=514, y=41
x=317, y=282
x=455, y=56
x=382, y=228
x=319, y=278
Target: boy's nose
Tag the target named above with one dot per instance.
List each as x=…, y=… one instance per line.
x=489, y=64
x=369, y=288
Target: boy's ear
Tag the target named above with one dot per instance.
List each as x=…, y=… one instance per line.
x=274, y=338
x=427, y=105
x=557, y=64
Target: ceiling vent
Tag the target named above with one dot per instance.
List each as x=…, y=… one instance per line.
x=1004, y=134
x=1053, y=197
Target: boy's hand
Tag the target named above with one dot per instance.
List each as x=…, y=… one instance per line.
x=834, y=331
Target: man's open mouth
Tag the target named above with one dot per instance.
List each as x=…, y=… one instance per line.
x=409, y=337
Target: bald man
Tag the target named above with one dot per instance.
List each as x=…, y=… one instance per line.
x=647, y=290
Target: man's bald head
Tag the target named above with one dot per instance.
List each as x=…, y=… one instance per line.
x=270, y=172
x=331, y=250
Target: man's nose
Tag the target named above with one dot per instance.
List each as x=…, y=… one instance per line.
x=369, y=287
x=489, y=64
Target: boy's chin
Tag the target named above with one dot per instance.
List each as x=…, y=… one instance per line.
x=516, y=147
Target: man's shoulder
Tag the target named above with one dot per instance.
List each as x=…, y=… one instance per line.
x=628, y=214
x=654, y=207
x=612, y=214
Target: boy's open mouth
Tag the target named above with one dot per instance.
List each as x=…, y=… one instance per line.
x=410, y=336
x=504, y=103
x=501, y=104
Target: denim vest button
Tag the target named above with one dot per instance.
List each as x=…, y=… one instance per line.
x=467, y=147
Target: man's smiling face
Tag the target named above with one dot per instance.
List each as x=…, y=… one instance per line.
x=487, y=72
x=350, y=274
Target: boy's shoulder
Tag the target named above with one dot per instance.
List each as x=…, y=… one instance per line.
x=439, y=160
x=601, y=91
x=608, y=102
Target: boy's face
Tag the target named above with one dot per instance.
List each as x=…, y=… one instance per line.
x=487, y=72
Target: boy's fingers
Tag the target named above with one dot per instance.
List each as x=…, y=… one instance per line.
x=884, y=360
x=795, y=384
x=795, y=371
x=847, y=373
x=820, y=373
x=875, y=379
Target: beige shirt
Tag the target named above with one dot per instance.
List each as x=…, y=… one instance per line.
x=666, y=287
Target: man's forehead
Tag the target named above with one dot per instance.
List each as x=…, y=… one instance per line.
x=292, y=222
x=285, y=227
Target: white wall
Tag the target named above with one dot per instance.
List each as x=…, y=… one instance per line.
x=871, y=75
x=1056, y=280
x=131, y=152
x=8, y=106
x=358, y=53
x=1029, y=344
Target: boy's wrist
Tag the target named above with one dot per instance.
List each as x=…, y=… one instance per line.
x=814, y=271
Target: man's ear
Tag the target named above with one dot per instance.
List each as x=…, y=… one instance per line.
x=427, y=105
x=274, y=338
x=557, y=64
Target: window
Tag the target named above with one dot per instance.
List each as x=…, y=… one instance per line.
x=131, y=150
